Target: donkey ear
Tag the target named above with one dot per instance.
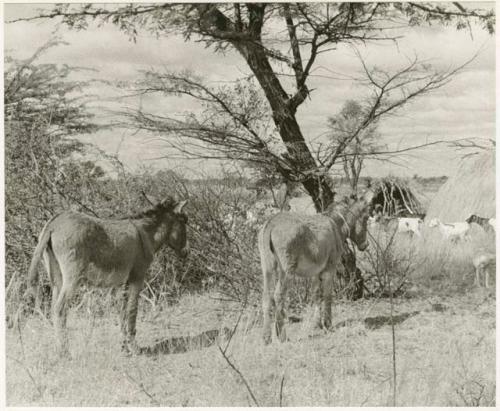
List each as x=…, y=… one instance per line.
x=178, y=208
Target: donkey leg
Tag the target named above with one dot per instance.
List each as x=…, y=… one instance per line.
x=486, y=277
x=123, y=316
x=316, y=297
x=55, y=295
x=60, y=311
x=134, y=289
x=279, y=299
x=58, y=308
x=267, y=305
x=478, y=273
x=55, y=277
x=326, y=298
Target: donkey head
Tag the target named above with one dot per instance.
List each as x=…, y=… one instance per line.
x=168, y=224
x=176, y=236
x=357, y=212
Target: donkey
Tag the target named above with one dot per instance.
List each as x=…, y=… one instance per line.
x=308, y=246
x=106, y=253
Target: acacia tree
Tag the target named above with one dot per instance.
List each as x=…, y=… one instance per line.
x=285, y=38
x=342, y=126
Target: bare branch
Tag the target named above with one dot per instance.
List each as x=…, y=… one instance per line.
x=240, y=375
x=282, y=383
x=294, y=43
x=408, y=84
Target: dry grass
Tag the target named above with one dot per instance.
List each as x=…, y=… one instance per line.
x=444, y=358
x=445, y=339
x=431, y=263
x=446, y=266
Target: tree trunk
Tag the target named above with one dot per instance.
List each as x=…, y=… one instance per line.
x=284, y=118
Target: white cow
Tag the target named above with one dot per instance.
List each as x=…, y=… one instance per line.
x=453, y=231
x=412, y=226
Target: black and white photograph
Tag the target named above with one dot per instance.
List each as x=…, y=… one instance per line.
x=249, y=204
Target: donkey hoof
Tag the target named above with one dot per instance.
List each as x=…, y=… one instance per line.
x=124, y=348
x=282, y=336
x=133, y=348
x=130, y=348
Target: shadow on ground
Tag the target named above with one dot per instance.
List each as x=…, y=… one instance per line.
x=176, y=345
x=379, y=321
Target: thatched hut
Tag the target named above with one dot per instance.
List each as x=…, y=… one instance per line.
x=396, y=197
x=470, y=191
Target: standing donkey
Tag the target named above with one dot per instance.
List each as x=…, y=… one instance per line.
x=106, y=253
x=308, y=246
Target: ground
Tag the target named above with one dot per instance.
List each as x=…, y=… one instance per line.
x=445, y=356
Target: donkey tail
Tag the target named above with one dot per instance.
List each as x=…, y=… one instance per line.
x=43, y=241
x=265, y=244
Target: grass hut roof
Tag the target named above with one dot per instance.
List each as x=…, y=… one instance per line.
x=470, y=191
x=396, y=197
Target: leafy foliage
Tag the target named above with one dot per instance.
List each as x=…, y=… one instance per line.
x=44, y=111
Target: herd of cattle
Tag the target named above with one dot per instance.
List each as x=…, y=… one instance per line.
x=412, y=226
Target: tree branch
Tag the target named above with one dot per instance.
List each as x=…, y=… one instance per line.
x=381, y=104
x=440, y=11
x=294, y=44
x=245, y=382
x=87, y=12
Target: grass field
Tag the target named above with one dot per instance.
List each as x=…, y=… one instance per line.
x=445, y=357
x=444, y=335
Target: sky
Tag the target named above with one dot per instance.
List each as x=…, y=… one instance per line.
x=464, y=108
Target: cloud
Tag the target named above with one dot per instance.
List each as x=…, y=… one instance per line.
x=464, y=107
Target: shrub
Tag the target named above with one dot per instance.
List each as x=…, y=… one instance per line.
x=388, y=263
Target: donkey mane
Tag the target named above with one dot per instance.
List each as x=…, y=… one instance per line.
x=166, y=205
x=341, y=208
